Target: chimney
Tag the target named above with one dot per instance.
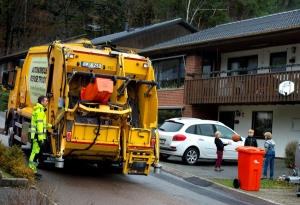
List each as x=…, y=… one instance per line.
x=126, y=25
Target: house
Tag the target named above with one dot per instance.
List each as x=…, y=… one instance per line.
x=244, y=74
x=140, y=38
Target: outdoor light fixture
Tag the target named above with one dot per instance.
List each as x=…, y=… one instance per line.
x=293, y=49
x=237, y=113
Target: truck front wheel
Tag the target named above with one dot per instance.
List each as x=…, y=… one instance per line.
x=11, y=140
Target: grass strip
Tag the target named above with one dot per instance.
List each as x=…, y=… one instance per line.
x=264, y=184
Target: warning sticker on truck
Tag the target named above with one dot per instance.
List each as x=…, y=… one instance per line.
x=37, y=78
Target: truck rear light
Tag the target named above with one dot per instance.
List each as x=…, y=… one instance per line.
x=179, y=137
x=152, y=142
x=69, y=136
x=145, y=65
x=70, y=55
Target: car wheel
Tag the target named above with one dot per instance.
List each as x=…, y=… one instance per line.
x=190, y=156
x=164, y=156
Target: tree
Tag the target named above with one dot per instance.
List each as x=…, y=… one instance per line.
x=192, y=9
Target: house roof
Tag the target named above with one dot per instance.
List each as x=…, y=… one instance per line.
x=23, y=53
x=249, y=27
x=132, y=31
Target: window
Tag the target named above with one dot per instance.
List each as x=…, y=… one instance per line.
x=225, y=132
x=207, y=67
x=191, y=129
x=243, y=62
x=262, y=122
x=207, y=130
x=165, y=114
x=278, y=59
x=171, y=126
x=169, y=73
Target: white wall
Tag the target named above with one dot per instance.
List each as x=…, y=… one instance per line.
x=263, y=56
x=283, y=115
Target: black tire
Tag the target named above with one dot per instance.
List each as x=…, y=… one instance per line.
x=11, y=140
x=164, y=156
x=190, y=156
x=236, y=183
x=10, y=137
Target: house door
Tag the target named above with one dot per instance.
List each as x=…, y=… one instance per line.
x=227, y=118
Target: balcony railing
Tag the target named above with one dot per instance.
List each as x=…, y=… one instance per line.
x=243, y=89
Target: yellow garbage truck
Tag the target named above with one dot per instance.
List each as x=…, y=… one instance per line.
x=102, y=103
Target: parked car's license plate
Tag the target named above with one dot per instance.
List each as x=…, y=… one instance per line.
x=161, y=141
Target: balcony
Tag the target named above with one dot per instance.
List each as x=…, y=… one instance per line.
x=243, y=89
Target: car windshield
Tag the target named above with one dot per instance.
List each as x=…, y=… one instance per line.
x=170, y=126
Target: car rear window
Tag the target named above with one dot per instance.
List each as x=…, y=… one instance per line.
x=169, y=126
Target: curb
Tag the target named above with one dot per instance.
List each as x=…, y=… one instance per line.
x=183, y=174
x=22, y=182
x=12, y=182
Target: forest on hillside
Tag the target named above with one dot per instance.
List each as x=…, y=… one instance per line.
x=24, y=23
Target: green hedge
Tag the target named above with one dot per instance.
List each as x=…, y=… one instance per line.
x=3, y=99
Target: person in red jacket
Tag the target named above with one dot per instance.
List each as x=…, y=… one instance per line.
x=220, y=149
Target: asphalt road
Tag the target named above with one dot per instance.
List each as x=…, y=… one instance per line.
x=86, y=184
x=80, y=184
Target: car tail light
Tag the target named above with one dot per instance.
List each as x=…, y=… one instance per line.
x=152, y=142
x=179, y=137
x=69, y=136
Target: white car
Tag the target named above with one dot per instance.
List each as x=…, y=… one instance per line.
x=192, y=138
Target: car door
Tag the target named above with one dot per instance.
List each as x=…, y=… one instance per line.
x=206, y=141
x=226, y=135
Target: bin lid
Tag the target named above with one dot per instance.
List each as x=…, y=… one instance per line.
x=249, y=149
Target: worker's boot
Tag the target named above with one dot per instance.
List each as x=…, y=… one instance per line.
x=264, y=177
x=37, y=176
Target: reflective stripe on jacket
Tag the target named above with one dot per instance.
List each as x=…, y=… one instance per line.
x=38, y=123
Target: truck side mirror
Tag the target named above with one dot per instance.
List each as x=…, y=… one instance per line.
x=9, y=75
x=5, y=77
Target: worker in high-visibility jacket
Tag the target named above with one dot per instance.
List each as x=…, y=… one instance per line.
x=38, y=132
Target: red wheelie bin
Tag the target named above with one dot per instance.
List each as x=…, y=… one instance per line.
x=250, y=163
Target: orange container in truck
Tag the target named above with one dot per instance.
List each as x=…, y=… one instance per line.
x=100, y=90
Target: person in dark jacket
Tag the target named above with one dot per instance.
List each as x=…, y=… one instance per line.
x=251, y=140
x=220, y=149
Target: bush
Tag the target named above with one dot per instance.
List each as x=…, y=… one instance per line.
x=290, y=152
x=12, y=161
x=3, y=153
